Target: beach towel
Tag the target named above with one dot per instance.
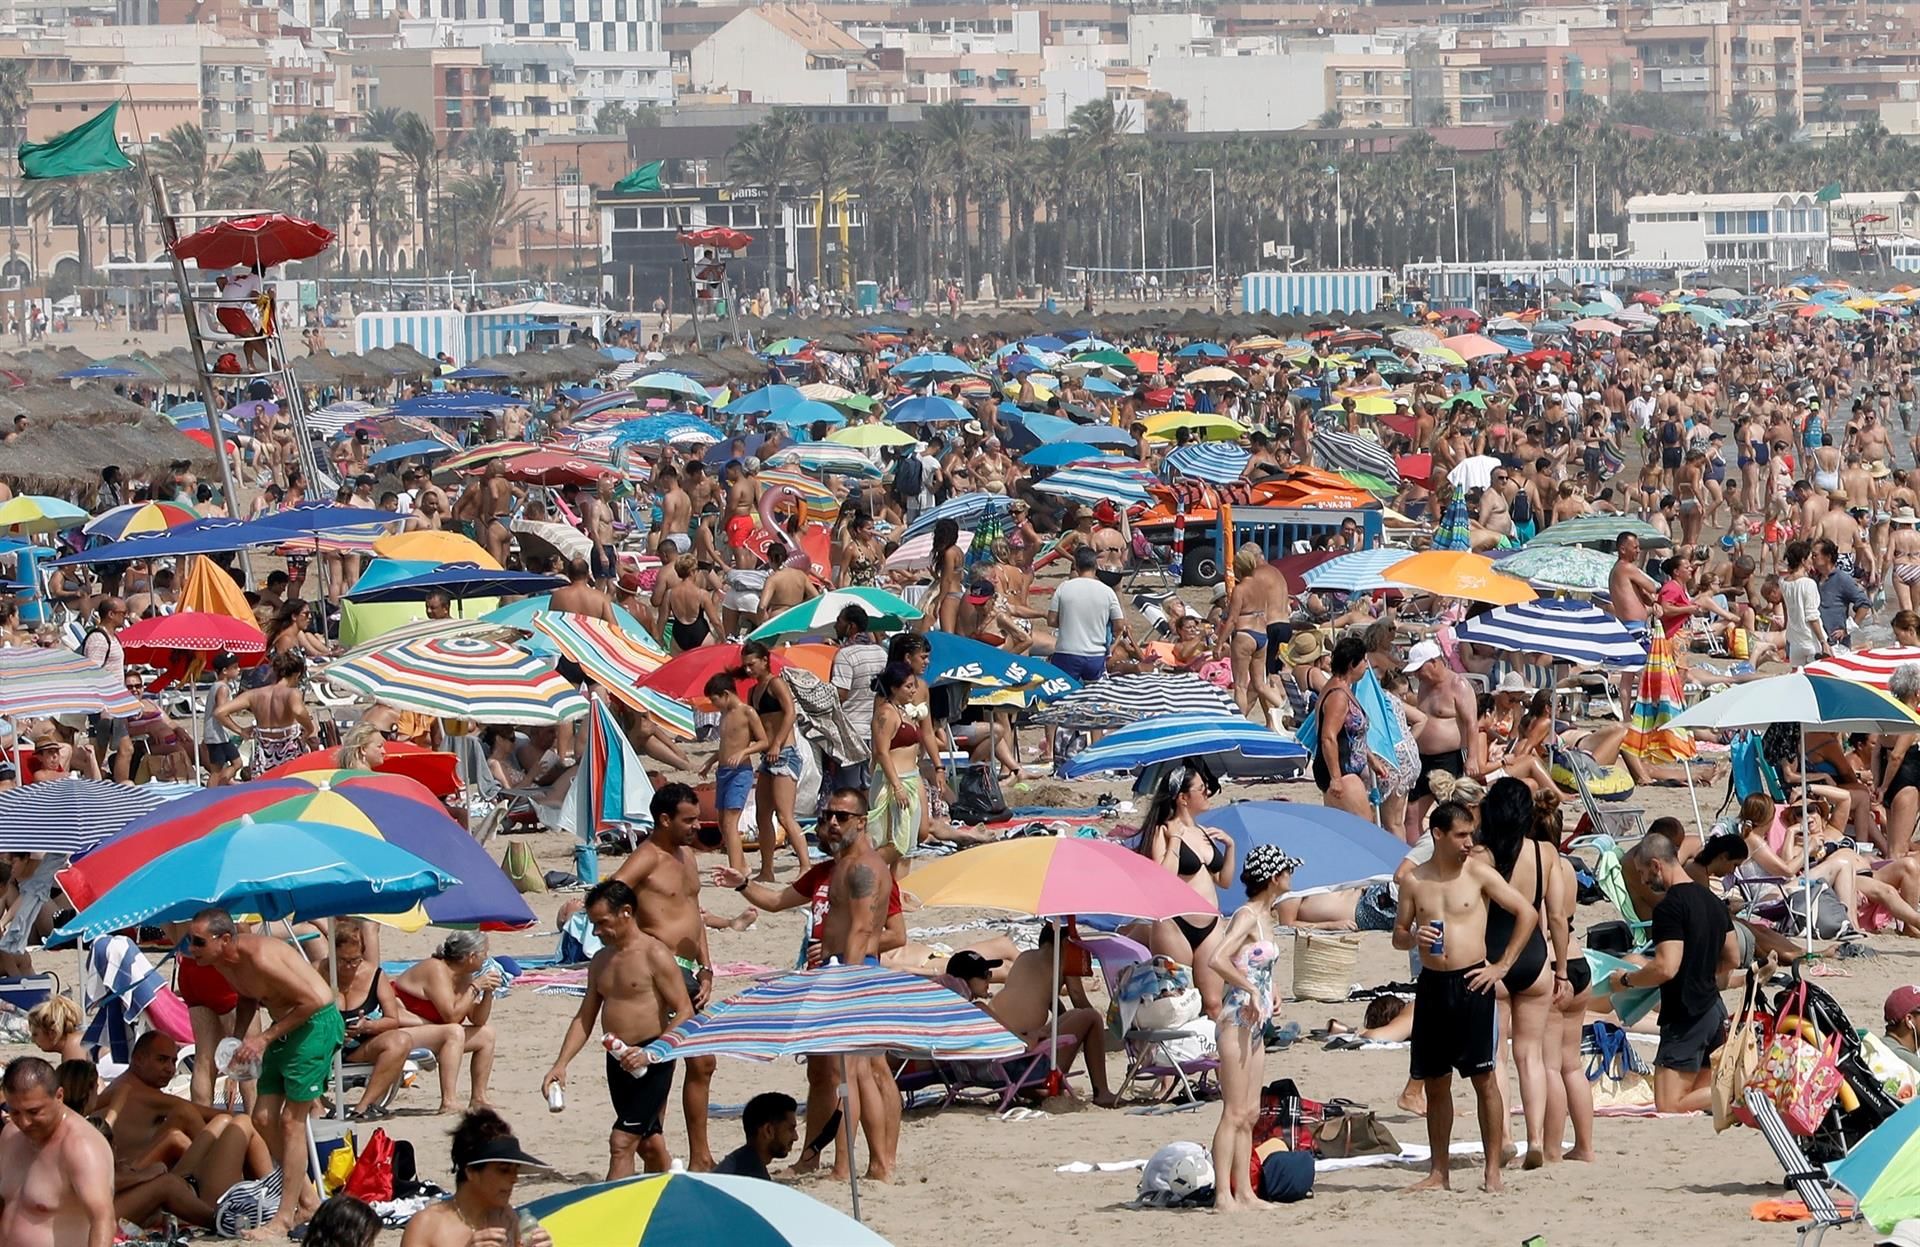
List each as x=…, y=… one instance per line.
x=121, y=988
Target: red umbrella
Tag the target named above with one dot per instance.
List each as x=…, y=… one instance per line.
x=684, y=677
x=434, y=771
x=717, y=236
x=1647, y=297
x=1459, y=313
x=1296, y=566
x=199, y=631
x=1414, y=467
x=552, y=467
x=274, y=238
x=205, y=439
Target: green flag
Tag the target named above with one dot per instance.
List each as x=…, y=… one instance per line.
x=1828, y=193
x=88, y=148
x=645, y=178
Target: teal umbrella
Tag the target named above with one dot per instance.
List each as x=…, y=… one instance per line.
x=1574, y=569
x=1601, y=531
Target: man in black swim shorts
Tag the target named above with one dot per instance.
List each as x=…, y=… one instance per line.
x=1443, y=913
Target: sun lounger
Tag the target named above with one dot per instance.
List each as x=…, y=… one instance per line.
x=1808, y=1182
x=1613, y=884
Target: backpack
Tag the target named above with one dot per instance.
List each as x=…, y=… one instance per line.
x=909, y=477
x=977, y=797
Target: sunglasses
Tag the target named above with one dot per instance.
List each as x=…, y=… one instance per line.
x=198, y=941
x=835, y=816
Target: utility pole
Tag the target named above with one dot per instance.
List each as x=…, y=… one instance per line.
x=1213, y=238
x=1453, y=177
x=1339, y=239
x=1140, y=181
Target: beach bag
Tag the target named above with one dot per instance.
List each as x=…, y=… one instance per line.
x=1618, y=1076
x=1282, y=1175
x=977, y=797
x=1897, y=1078
x=1801, y=1077
x=371, y=1181
x=339, y=1166
x=1323, y=966
x=1286, y=1115
x=1352, y=1130
x=247, y=1205
x=909, y=477
x=1815, y=897
x=1735, y=1064
x=520, y=867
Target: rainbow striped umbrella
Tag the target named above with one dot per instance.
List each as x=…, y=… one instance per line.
x=840, y=1009
x=35, y=683
x=822, y=506
x=133, y=518
x=387, y=807
x=615, y=659
x=678, y=1209
x=37, y=513
x=1660, y=699
x=462, y=677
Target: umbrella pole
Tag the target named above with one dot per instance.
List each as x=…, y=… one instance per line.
x=1806, y=846
x=849, y=1116
x=1053, y=1018
x=1699, y=826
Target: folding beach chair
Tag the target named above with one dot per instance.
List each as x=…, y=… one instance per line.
x=1613, y=884
x=998, y=1083
x=1808, y=1181
x=1608, y=818
x=1150, y=1053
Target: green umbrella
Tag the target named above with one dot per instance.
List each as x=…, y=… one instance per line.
x=859, y=402
x=1473, y=398
x=1599, y=530
x=885, y=613
x=1369, y=482
x=1109, y=357
x=1835, y=312
x=1565, y=305
x=1574, y=569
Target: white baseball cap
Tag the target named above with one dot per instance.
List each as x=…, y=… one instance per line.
x=1422, y=654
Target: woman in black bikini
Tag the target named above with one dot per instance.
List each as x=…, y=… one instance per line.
x=1202, y=859
x=1506, y=825
x=690, y=605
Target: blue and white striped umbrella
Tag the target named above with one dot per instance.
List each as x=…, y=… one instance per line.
x=1168, y=738
x=73, y=814
x=1577, y=632
x=961, y=510
x=828, y=457
x=840, y=1009
x=1093, y=486
x=1123, y=699
x=1359, y=572
x=1218, y=463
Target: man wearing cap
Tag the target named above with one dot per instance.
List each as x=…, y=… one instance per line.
x=1449, y=738
x=1902, y=1013
x=487, y=1163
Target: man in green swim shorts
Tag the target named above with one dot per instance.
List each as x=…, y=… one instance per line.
x=295, y=1052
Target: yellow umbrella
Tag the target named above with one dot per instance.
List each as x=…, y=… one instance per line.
x=1445, y=354
x=428, y=546
x=1458, y=574
x=1367, y=405
x=212, y=591
x=1042, y=384
x=866, y=436
x=1209, y=425
x=1263, y=343
x=1671, y=307
x=1861, y=303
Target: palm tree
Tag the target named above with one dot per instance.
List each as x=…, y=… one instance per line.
x=181, y=158
x=315, y=187
x=490, y=213
x=1166, y=115
x=77, y=202
x=241, y=181
x=489, y=148
x=763, y=155
x=417, y=152
x=378, y=125
x=1099, y=130
x=13, y=121
x=957, y=140
x=391, y=222
x=1328, y=120
x=824, y=155
x=1744, y=115
x=1833, y=103
x=363, y=171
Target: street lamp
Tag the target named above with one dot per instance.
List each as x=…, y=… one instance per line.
x=1140, y=181
x=1213, y=238
x=1454, y=178
x=1339, y=239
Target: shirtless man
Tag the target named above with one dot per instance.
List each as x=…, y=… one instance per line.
x=150, y=1126
x=1026, y=1006
x=1448, y=737
x=484, y=505
x=1495, y=511
x=596, y=516
x=742, y=736
x=786, y=587
x=1844, y=531
x=676, y=509
x=295, y=1053
x=1258, y=603
x=635, y=979
x=743, y=494
x=1443, y=913
x=56, y=1171
x=579, y=597
x=666, y=882
x=428, y=510
x=855, y=908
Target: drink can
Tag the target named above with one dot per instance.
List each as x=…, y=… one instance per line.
x=1439, y=945
x=556, y=1098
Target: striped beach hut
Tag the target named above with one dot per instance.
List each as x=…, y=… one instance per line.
x=1314, y=293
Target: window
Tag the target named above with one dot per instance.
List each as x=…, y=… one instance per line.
x=626, y=218
x=653, y=218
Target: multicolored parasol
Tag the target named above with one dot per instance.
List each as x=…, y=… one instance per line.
x=462, y=677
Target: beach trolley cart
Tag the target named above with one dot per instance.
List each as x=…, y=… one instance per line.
x=1316, y=293
x=1276, y=530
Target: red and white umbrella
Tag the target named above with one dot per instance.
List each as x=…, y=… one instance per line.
x=1869, y=666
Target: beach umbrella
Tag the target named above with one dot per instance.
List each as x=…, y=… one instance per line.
x=1099, y=435
x=39, y=683
x=825, y=392
x=1574, y=569
x=1093, y=486
x=765, y=399
x=1213, y=374
x=1217, y=463
x=1108, y=357
x=1595, y=325
x=1359, y=572
x=323, y=517
x=73, y=813
x=615, y=658
x=433, y=770
x=965, y=510
x=1336, y=849
x=36, y=513
x=263, y=241
x=868, y=436
x=1470, y=346
x=276, y=870
x=680, y=1209
x=1576, y=632
x=674, y=383
x=463, y=678
x=1820, y=702
x=1201, y=350
x=927, y=409
x=1055, y=877
x=461, y=580
x=804, y=413
x=684, y=676
x=1883, y=1170
x=1600, y=531
x=438, y=548
x=95, y=372
x=1475, y=472
x=1170, y=738
x=480, y=456
x=391, y=808
x=1060, y=454
x=1454, y=531
x=1867, y=666
x=1414, y=339
x=133, y=518
x=198, y=632
x=934, y=366
x=1102, y=387
x=424, y=448
x=521, y=614
x=828, y=459
x=963, y=660
x=1208, y=425
x=819, y=501
x=1122, y=699
x=1458, y=574
x=886, y=612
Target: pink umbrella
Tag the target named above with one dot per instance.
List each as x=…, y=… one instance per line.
x=1593, y=324
x=1473, y=345
x=1056, y=877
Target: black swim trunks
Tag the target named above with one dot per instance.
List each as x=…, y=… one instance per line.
x=1453, y=762
x=639, y=1101
x=1453, y=1025
x=1689, y=1043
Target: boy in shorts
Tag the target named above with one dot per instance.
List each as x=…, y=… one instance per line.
x=741, y=737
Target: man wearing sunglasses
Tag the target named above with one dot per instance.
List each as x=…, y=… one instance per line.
x=294, y=1053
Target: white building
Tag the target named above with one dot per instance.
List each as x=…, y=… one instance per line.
x=774, y=54
x=1785, y=230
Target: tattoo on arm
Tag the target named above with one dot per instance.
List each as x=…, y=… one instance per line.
x=861, y=882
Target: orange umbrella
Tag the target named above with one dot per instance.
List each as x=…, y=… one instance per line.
x=815, y=656
x=213, y=592
x=1458, y=574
